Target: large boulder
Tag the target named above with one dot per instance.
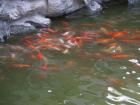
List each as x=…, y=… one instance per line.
x=14, y=9
x=133, y=1
x=21, y=16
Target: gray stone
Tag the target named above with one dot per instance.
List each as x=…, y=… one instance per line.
x=133, y=1
x=21, y=16
x=4, y=30
x=25, y=15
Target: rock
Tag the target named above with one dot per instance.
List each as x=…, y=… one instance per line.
x=29, y=24
x=133, y=1
x=61, y=7
x=94, y=5
x=15, y=9
x=21, y=16
x=21, y=26
x=4, y=30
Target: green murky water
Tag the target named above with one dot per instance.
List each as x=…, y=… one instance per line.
x=90, y=75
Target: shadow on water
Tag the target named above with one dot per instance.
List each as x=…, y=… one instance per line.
x=79, y=61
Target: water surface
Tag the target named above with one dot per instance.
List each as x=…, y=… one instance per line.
x=103, y=70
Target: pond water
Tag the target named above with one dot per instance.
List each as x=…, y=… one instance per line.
x=84, y=60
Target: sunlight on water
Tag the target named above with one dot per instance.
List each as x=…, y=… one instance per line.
x=119, y=97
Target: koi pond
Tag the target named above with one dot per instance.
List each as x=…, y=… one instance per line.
x=80, y=60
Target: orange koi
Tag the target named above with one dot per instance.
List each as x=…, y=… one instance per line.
x=88, y=24
x=42, y=40
x=42, y=35
x=117, y=34
x=21, y=65
x=51, y=30
x=79, y=41
x=136, y=38
x=128, y=40
x=112, y=44
x=39, y=56
x=138, y=31
x=31, y=46
x=43, y=47
x=103, y=40
x=27, y=42
x=119, y=55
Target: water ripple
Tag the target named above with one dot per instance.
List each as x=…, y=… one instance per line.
x=116, y=96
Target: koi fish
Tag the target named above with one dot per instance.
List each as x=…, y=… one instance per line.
x=120, y=55
x=65, y=51
x=21, y=65
x=77, y=41
x=128, y=40
x=39, y=56
x=132, y=39
x=42, y=35
x=41, y=40
x=31, y=46
x=117, y=34
x=51, y=30
x=104, y=30
x=103, y=40
x=88, y=24
x=112, y=44
x=27, y=42
x=42, y=47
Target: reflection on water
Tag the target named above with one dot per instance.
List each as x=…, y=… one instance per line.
x=88, y=61
x=119, y=97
